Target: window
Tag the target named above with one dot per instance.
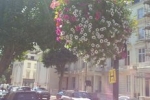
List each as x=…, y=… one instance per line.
x=142, y=55
x=140, y=13
x=141, y=33
x=29, y=65
x=136, y=1
x=28, y=74
x=73, y=82
x=128, y=83
x=32, y=57
x=127, y=59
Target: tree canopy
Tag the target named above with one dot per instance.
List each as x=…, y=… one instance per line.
x=58, y=58
x=24, y=24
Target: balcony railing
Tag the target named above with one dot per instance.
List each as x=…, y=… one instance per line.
x=144, y=65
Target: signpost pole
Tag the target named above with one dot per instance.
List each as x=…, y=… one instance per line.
x=116, y=84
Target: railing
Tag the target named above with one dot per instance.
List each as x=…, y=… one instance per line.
x=144, y=65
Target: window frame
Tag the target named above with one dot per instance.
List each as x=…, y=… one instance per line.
x=141, y=55
x=140, y=13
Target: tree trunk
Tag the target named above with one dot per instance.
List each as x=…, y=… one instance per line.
x=6, y=58
x=61, y=78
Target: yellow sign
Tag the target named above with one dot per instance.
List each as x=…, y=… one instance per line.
x=112, y=76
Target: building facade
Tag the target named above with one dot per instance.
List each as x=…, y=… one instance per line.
x=24, y=72
x=134, y=71
x=31, y=72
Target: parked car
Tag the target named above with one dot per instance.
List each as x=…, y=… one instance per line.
x=72, y=95
x=24, y=88
x=124, y=98
x=12, y=88
x=42, y=93
x=21, y=95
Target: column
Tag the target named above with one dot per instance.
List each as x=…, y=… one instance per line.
x=132, y=85
x=94, y=83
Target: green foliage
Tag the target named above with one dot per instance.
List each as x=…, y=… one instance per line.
x=58, y=58
x=24, y=24
x=94, y=29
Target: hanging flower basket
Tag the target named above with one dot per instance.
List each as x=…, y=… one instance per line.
x=93, y=29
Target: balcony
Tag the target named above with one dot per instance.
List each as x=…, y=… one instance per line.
x=144, y=65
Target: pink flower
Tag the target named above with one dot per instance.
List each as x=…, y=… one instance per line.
x=97, y=15
x=66, y=17
x=58, y=31
x=54, y=4
x=58, y=38
x=78, y=28
x=73, y=18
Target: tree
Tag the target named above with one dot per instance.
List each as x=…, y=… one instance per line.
x=24, y=24
x=59, y=58
x=93, y=29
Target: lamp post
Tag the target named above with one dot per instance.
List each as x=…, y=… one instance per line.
x=116, y=84
x=86, y=75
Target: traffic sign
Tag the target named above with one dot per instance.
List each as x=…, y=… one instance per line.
x=112, y=76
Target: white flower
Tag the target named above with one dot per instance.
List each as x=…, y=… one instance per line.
x=85, y=26
x=104, y=54
x=81, y=32
x=76, y=37
x=98, y=36
x=93, y=37
x=76, y=10
x=92, y=49
x=89, y=5
x=92, y=54
x=73, y=6
x=82, y=29
x=83, y=18
x=101, y=40
x=92, y=45
x=85, y=39
x=76, y=16
x=97, y=29
x=67, y=37
x=86, y=22
x=90, y=24
x=96, y=52
x=90, y=9
x=108, y=43
x=102, y=36
x=101, y=29
x=102, y=20
x=71, y=35
x=80, y=25
x=72, y=29
x=74, y=13
x=97, y=45
x=105, y=40
x=90, y=17
x=62, y=33
x=90, y=27
x=85, y=34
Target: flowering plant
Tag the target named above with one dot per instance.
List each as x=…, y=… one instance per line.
x=93, y=29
